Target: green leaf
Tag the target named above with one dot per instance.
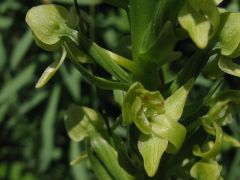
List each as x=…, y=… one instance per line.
x=97, y=81
x=105, y=58
x=121, y=4
x=47, y=128
x=228, y=66
x=175, y=103
x=51, y=70
x=98, y=168
x=17, y=83
x=81, y=122
x=160, y=50
x=5, y=22
x=72, y=80
x=20, y=49
x=34, y=101
x=204, y=170
x=151, y=149
x=3, y=54
x=109, y=157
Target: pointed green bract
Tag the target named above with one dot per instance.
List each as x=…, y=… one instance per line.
x=151, y=148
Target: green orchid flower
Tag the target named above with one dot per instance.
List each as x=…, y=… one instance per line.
x=49, y=24
x=156, y=119
x=53, y=28
x=206, y=170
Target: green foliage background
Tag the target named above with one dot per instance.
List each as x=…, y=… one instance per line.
x=33, y=140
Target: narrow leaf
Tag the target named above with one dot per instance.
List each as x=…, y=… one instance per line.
x=20, y=49
x=47, y=128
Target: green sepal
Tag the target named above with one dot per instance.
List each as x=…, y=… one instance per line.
x=228, y=66
x=51, y=70
x=81, y=122
x=48, y=24
x=229, y=39
x=151, y=148
x=201, y=20
x=169, y=129
x=174, y=104
x=206, y=170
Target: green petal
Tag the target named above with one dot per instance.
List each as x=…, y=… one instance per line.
x=51, y=70
x=127, y=109
x=230, y=140
x=151, y=149
x=214, y=148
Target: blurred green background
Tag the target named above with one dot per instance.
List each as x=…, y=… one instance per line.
x=33, y=140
